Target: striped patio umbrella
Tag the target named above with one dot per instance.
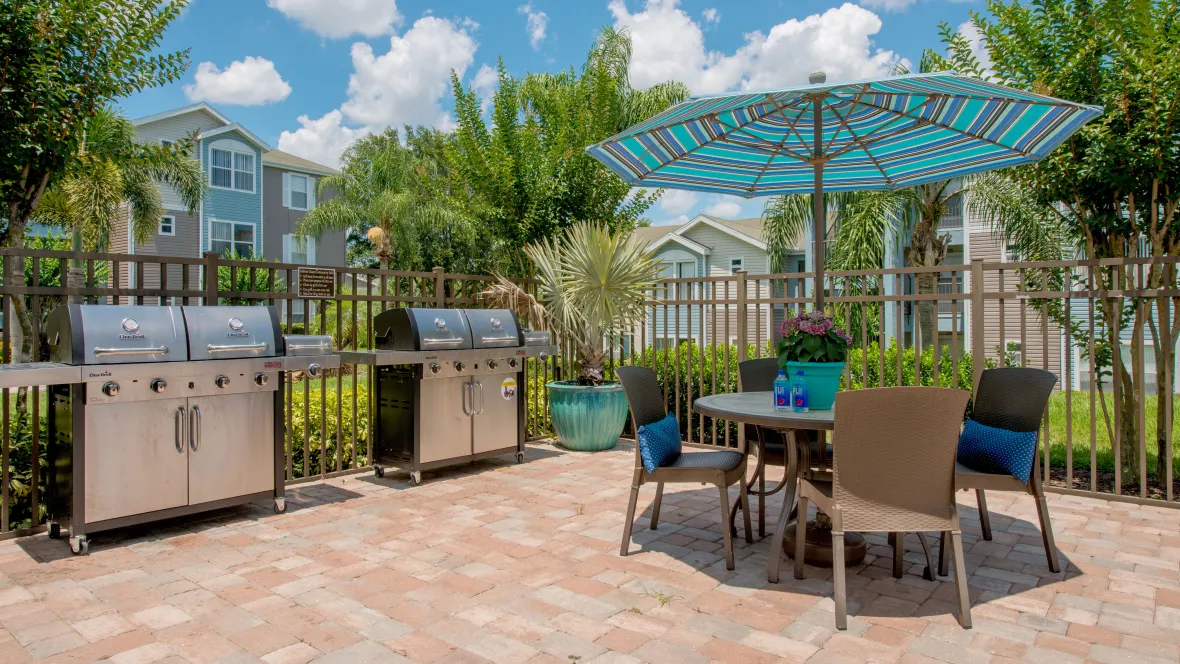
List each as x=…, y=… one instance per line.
x=877, y=134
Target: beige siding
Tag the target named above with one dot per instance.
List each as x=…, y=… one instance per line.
x=724, y=248
x=1002, y=321
x=184, y=244
x=175, y=129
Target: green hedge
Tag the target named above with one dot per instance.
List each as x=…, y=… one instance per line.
x=306, y=434
x=856, y=357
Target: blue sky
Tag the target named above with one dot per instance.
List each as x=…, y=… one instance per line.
x=310, y=76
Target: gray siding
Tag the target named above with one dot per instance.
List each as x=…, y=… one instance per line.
x=175, y=129
x=725, y=248
x=279, y=220
x=184, y=243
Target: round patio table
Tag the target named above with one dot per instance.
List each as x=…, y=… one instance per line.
x=758, y=408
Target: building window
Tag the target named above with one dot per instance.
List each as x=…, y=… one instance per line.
x=231, y=170
x=229, y=237
x=167, y=225
x=1011, y=354
x=298, y=191
x=165, y=143
x=299, y=249
x=736, y=264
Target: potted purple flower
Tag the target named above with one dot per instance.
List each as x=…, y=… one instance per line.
x=811, y=343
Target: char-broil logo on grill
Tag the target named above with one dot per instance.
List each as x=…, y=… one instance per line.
x=235, y=326
x=101, y=374
x=131, y=329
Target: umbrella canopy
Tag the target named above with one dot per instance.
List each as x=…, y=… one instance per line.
x=877, y=134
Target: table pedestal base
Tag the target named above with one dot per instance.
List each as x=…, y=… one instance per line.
x=817, y=550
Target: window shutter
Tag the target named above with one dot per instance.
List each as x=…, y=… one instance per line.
x=286, y=243
x=311, y=242
x=310, y=193
x=286, y=190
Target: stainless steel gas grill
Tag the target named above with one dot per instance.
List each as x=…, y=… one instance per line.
x=449, y=384
x=177, y=411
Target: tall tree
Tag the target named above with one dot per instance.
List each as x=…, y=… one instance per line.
x=389, y=192
x=60, y=62
x=526, y=176
x=1115, y=185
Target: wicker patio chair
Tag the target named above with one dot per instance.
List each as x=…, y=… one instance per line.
x=893, y=471
x=1012, y=398
x=720, y=467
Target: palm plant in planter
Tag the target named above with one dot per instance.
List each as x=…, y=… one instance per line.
x=811, y=344
x=591, y=288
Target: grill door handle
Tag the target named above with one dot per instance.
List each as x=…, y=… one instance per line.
x=481, y=402
x=181, y=425
x=215, y=348
x=466, y=389
x=194, y=441
x=153, y=350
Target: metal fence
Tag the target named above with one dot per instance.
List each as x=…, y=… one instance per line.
x=1107, y=430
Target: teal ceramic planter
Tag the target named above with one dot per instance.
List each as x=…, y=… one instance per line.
x=587, y=418
x=823, y=380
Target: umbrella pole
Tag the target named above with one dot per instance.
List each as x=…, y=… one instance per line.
x=819, y=210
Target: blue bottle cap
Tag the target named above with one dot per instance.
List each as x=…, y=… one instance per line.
x=782, y=372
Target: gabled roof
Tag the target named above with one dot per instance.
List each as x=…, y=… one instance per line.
x=682, y=241
x=184, y=110
x=741, y=229
x=258, y=142
x=290, y=162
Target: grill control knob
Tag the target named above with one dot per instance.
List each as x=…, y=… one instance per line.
x=512, y=362
x=314, y=370
x=492, y=364
x=261, y=379
x=159, y=385
x=110, y=389
x=221, y=381
x=434, y=368
x=458, y=366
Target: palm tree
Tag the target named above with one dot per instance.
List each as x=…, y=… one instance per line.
x=388, y=190
x=116, y=170
x=592, y=287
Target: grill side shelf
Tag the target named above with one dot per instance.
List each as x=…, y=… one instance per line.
x=380, y=358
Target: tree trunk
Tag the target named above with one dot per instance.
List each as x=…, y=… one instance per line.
x=927, y=249
x=1164, y=349
x=927, y=314
x=75, y=273
x=1126, y=431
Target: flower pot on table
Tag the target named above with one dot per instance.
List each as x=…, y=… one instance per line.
x=823, y=381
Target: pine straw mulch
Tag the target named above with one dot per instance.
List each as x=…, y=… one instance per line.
x=1105, y=484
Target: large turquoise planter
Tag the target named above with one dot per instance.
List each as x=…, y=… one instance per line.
x=587, y=418
x=823, y=380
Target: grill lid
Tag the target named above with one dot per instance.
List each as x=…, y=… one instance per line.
x=422, y=329
x=116, y=334
x=493, y=328
x=229, y=333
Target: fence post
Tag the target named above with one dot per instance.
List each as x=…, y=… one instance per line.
x=742, y=317
x=440, y=295
x=211, y=278
x=977, y=344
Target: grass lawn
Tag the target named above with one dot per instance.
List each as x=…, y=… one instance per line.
x=1080, y=415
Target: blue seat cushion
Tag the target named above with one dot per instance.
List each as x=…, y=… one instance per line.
x=659, y=443
x=997, y=451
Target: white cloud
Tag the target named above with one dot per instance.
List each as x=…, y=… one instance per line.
x=249, y=82
x=978, y=48
x=322, y=140
x=402, y=86
x=405, y=85
x=669, y=44
x=888, y=5
x=535, y=25
x=711, y=16
x=677, y=201
x=484, y=84
x=724, y=208
x=341, y=18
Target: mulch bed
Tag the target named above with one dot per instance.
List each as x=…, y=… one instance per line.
x=1105, y=484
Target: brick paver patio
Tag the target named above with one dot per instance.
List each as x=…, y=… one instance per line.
x=519, y=563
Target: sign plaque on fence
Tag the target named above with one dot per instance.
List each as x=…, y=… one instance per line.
x=317, y=283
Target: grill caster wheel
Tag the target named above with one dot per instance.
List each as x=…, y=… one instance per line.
x=416, y=478
x=280, y=505
x=520, y=457
x=79, y=546
x=54, y=531
x=378, y=472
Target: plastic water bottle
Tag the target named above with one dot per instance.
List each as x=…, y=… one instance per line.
x=799, y=400
x=782, y=391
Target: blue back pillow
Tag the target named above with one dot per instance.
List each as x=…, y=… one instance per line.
x=992, y=450
x=659, y=443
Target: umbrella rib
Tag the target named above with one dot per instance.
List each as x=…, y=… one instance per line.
x=897, y=117
x=778, y=149
x=754, y=185
x=860, y=94
x=856, y=139
x=951, y=129
x=696, y=147
x=791, y=125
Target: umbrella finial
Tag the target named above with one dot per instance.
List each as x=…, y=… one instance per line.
x=817, y=77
